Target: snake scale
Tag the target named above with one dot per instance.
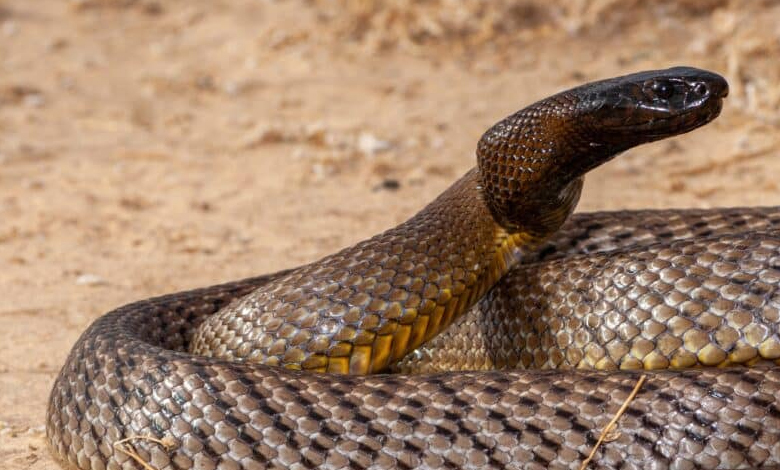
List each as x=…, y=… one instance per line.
x=622, y=290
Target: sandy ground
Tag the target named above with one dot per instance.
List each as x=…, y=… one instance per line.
x=148, y=147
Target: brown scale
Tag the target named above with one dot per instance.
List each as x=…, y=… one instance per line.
x=128, y=376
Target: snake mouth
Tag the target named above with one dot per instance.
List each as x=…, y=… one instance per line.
x=677, y=123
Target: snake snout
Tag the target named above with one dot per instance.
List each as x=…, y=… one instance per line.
x=706, y=90
x=713, y=83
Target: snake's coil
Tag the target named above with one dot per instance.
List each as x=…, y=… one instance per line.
x=366, y=307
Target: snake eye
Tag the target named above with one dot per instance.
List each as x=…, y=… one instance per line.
x=663, y=89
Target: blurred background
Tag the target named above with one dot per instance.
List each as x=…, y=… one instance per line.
x=151, y=146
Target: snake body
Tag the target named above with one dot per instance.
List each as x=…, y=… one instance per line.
x=631, y=290
x=130, y=374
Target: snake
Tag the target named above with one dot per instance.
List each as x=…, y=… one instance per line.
x=461, y=338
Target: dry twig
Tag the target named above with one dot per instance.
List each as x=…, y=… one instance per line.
x=124, y=446
x=608, y=434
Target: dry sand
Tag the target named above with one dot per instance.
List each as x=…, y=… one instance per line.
x=154, y=146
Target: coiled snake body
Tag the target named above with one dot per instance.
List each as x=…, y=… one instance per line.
x=708, y=295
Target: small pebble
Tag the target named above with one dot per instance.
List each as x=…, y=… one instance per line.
x=34, y=100
x=232, y=88
x=437, y=143
x=389, y=184
x=368, y=144
x=40, y=429
x=262, y=135
x=90, y=280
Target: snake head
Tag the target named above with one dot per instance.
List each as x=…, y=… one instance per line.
x=652, y=105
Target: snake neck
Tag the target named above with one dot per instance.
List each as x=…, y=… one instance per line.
x=531, y=165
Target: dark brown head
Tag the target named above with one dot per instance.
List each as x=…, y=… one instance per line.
x=649, y=106
x=532, y=162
